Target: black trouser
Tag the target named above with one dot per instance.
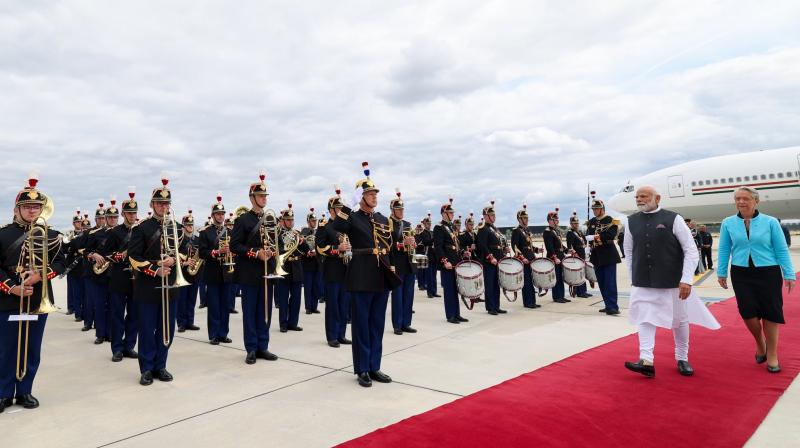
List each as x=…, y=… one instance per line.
x=705, y=254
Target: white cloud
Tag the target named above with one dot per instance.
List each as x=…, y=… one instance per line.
x=517, y=101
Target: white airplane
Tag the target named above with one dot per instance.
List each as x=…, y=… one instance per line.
x=703, y=189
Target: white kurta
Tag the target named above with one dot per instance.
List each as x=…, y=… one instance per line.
x=661, y=306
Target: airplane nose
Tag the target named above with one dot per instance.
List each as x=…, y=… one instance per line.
x=620, y=202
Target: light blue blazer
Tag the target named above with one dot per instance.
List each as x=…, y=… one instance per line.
x=766, y=245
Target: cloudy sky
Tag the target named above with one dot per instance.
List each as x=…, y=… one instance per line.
x=511, y=100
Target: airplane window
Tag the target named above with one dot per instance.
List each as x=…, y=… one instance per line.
x=763, y=177
x=694, y=183
x=730, y=179
x=747, y=178
x=738, y=178
x=788, y=174
x=772, y=175
x=708, y=182
x=780, y=175
x=716, y=181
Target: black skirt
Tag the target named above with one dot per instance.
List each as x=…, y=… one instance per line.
x=759, y=292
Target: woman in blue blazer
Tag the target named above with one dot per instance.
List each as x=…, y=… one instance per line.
x=760, y=265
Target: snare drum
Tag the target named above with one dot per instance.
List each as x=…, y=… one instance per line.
x=469, y=282
x=421, y=260
x=574, y=271
x=591, y=276
x=510, y=276
x=544, y=273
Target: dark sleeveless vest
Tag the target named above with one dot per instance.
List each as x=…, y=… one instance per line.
x=657, y=254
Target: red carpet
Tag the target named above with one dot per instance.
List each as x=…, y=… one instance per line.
x=590, y=399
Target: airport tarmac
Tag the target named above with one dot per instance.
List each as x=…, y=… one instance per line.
x=309, y=397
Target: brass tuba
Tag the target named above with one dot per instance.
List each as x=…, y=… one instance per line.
x=34, y=257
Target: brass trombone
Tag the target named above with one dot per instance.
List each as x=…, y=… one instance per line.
x=169, y=250
x=34, y=257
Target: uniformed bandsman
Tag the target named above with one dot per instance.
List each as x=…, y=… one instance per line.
x=122, y=322
x=467, y=238
x=290, y=286
x=602, y=233
x=576, y=244
x=187, y=296
x=255, y=259
x=312, y=270
x=215, y=250
x=21, y=289
x=448, y=254
x=74, y=268
x=153, y=265
x=422, y=249
x=524, y=251
x=335, y=250
x=490, y=252
x=370, y=277
x=555, y=251
x=98, y=284
x=402, y=252
x=234, y=289
x=426, y=238
x=84, y=270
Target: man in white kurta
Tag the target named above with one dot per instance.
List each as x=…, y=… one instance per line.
x=670, y=307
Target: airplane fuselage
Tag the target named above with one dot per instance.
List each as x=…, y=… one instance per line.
x=703, y=189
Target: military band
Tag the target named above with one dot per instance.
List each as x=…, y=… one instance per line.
x=74, y=271
x=448, y=254
x=334, y=247
x=602, y=231
x=122, y=313
x=292, y=248
x=250, y=243
x=30, y=256
x=136, y=281
x=490, y=251
x=522, y=245
x=214, y=247
x=402, y=254
x=98, y=272
x=312, y=267
x=370, y=277
x=554, y=246
x=576, y=245
x=187, y=296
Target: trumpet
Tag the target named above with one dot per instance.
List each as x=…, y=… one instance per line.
x=34, y=257
x=169, y=249
x=225, y=242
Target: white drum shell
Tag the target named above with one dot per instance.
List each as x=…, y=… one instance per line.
x=589, y=272
x=469, y=279
x=574, y=271
x=511, y=274
x=544, y=273
x=421, y=261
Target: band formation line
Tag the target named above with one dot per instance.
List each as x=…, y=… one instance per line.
x=136, y=281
